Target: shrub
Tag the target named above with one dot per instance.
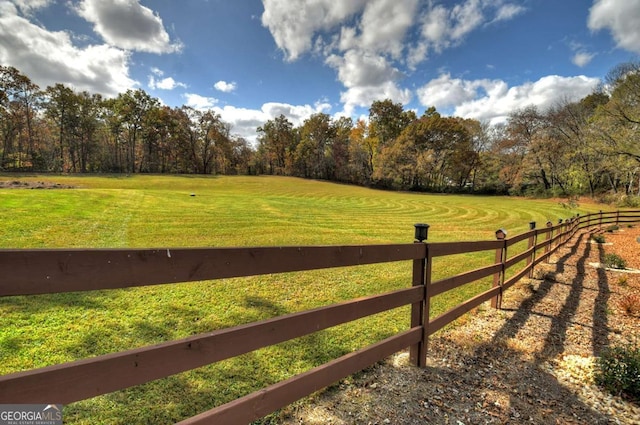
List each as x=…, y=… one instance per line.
x=623, y=280
x=598, y=238
x=614, y=261
x=612, y=228
x=629, y=202
x=630, y=304
x=618, y=371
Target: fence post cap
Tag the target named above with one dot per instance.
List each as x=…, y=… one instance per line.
x=532, y=225
x=501, y=233
x=421, y=231
x=549, y=223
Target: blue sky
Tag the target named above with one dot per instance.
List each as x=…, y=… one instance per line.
x=252, y=60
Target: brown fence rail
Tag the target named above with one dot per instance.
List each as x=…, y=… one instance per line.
x=28, y=272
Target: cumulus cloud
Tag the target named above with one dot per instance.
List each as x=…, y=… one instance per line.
x=363, y=96
x=244, y=121
x=295, y=113
x=582, y=58
x=128, y=25
x=507, y=12
x=225, y=87
x=384, y=25
x=366, y=42
x=494, y=100
x=294, y=23
x=442, y=28
x=445, y=92
x=367, y=77
x=164, y=83
x=197, y=101
x=50, y=57
x=621, y=18
x=357, y=68
x=29, y=6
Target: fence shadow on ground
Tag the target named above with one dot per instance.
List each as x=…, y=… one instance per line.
x=490, y=381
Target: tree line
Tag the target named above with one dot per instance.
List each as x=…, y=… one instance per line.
x=590, y=146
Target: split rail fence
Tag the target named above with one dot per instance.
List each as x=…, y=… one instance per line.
x=30, y=272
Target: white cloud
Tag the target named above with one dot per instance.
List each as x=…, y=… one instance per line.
x=582, y=58
x=197, y=101
x=416, y=55
x=464, y=18
x=244, y=121
x=366, y=41
x=507, y=12
x=445, y=92
x=358, y=68
x=29, y=6
x=443, y=28
x=165, y=83
x=367, y=77
x=295, y=113
x=363, y=96
x=225, y=87
x=384, y=25
x=621, y=17
x=435, y=25
x=50, y=57
x=294, y=23
x=494, y=100
x=128, y=25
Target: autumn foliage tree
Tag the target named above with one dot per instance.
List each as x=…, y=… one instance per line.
x=431, y=153
x=586, y=146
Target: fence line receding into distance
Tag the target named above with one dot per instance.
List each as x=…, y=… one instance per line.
x=30, y=272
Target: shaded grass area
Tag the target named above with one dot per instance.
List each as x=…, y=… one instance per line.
x=181, y=211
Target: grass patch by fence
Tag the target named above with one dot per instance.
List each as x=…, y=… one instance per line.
x=161, y=211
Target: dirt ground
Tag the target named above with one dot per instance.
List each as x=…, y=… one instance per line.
x=530, y=362
x=25, y=184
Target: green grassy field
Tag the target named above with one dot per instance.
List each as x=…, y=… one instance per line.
x=160, y=211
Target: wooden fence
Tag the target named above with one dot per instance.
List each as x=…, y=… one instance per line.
x=28, y=272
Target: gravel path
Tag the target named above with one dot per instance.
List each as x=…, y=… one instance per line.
x=531, y=362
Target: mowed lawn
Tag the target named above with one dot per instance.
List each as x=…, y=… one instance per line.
x=191, y=211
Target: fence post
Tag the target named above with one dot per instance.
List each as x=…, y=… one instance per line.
x=547, y=248
x=617, y=217
x=532, y=243
x=498, y=278
x=600, y=221
x=420, y=311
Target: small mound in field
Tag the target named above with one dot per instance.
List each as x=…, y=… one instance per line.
x=19, y=184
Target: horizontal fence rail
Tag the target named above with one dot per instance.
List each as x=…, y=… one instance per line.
x=31, y=272
x=87, y=378
x=56, y=271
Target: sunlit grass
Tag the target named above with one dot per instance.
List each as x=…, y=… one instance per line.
x=184, y=211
